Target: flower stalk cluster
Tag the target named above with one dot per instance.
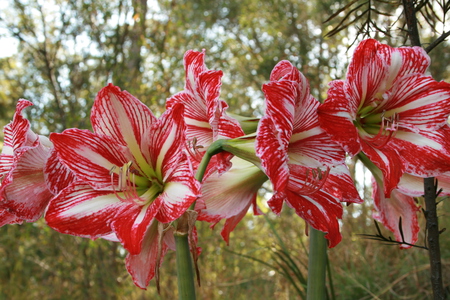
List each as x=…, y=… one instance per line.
x=135, y=179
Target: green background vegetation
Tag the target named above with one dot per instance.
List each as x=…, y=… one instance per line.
x=68, y=50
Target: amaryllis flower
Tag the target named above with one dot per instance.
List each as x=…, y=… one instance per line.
x=23, y=188
x=388, y=109
x=398, y=213
x=206, y=120
x=131, y=171
x=305, y=166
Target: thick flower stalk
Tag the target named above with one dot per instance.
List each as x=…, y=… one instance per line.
x=305, y=166
x=132, y=172
x=24, y=192
x=391, y=111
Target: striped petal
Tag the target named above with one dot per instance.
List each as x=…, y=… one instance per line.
x=229, y=196
x=390, y=164
x=90, y=156
x=7, y=217
x=340, y=184
x=57, y=175
x=166, y=154
x=420, y=102
x=25, y=189
x=142, y=266
x=425, y=153
x=395, y=211
x=273, y=154
x=320, y=209
x=82, y=211
x=413, y=185
x=205, y=115
x=123, y=117
x=132, y=222
x=336, y=117
x=17, y=134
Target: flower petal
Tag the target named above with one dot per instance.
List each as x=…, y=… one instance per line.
x=205, y=115
x=426, y=153
x=142, y=266
x=90, y=157
x=25, y=190
x=336, y=117
x=420, y=102
x=132, y=222
x=82, y=211
x=229, y=196
x=340, y=184
x=17, y=135
x=123, y=117
x=57, y=175
x=413, y=185
x=397, y=210
x=390, y=164
x=7, y=217
x=320, y=209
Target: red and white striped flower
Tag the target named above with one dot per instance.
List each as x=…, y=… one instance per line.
x=305, y=166
x=391, y=111
x=205, y=114
x=131, y=171
x=224, y=196
x=24, y=193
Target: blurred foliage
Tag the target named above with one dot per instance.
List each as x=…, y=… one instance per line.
x=68, y=50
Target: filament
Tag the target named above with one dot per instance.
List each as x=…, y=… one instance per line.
x=126, y=182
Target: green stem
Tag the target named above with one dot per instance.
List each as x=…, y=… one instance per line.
x=185, y=271
x=317, y=265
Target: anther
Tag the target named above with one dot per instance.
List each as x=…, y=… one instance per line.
x=388, y=129
x=314, y=181
x=192, y=148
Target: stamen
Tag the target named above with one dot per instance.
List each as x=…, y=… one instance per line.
x=388, y=129
x=192, y=148
x=315, y=179
x=126, y=182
